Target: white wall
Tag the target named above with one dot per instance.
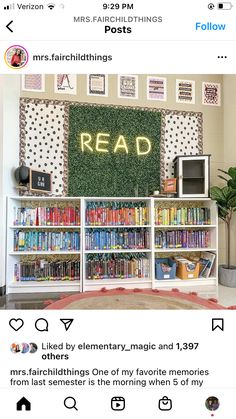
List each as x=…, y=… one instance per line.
x=9, y=152
x=230, y=141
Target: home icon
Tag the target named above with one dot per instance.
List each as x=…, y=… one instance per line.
x=23, y=404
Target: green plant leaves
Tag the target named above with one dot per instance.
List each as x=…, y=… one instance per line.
x=232, y=173
x=232, y=202
x=217, y=194
x=225, y=198
x=232, y=183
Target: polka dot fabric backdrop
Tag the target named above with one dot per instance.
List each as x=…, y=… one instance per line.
x=44, y=136
x=182, y=135
x=43, y=144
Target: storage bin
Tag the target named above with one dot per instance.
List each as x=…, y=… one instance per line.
x=164, y=272
x=187, y=269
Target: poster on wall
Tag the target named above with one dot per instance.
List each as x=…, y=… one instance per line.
x=65, y=83
x=156, y=88
x=211, y=94
x=33, y=82
x=128, y=86
x=185, y=91
x=97, y=85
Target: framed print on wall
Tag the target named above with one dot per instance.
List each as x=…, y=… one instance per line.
x=127, y=87
x=157, y=88
x=97, y=85
x=33, y=82
x=185, y=91
x=65, y=84
x=211, y=94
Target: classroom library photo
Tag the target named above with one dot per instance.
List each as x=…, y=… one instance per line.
x=118, y=191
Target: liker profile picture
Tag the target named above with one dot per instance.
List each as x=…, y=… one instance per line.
x=16, y=57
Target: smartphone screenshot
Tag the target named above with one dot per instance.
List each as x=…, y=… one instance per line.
x=117, y=209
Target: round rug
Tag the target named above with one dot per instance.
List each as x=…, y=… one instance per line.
x=120, y=299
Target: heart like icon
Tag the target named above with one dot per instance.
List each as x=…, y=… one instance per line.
x=16, y=324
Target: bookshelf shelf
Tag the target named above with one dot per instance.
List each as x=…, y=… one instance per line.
x=45, y=227
x=118, y=251
x=44, y=283
x=184, y=226
x=129, y=283
x=143, y=259
x=118, y=226
x=186, y=249
x=49, y=252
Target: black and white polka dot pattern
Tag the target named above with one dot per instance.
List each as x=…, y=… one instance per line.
x=181, y=138
x=44, y=141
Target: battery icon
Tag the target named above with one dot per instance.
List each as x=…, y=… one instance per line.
x=226, y=5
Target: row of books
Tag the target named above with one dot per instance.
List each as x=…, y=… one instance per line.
x=46, y=241
x=41, y=270
x=42, y=216
x=100, y=267
x=117, y=267
x=117, y=213
x=117, y=239
x=182, y=239
x=182, y=216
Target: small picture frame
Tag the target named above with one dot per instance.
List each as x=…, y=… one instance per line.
x=33, y=82
x=40, y=181
x=211, y=94
x=157, y=88
x=127, y=86
x=185, y=91
x=97, y=85
x=65, y=84
x=170, y=185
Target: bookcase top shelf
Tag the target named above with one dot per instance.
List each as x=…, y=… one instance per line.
x=119, y=226
x=186, y=226
x=100, y=199
x=44, y=227
x=45, y=198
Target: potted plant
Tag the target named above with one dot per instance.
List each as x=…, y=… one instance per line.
x=226, y=201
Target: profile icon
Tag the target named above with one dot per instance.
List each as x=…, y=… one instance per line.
x=16, y=57
x=24, y=348
x=212, y=403
x=15, y=348
x=33, y=348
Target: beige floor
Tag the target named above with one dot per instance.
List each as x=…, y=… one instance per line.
x=227, y=296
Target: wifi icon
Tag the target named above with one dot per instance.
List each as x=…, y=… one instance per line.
x=51, y=6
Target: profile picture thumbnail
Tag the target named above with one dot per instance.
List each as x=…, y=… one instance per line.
x=32, y=348
x=212, y=403
x=15, y=347
x=24, y=348
x=16, y=56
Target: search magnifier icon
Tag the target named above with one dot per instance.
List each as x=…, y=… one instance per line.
x=70, y=403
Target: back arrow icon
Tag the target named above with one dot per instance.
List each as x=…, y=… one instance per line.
x=8, y=26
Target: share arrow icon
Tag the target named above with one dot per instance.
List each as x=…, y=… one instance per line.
x=67, y=323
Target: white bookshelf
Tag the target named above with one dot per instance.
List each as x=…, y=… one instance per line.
x=14, y=257
x=204, y=286
x=111, y=283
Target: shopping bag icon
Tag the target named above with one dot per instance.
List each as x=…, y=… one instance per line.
x=165, y=404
